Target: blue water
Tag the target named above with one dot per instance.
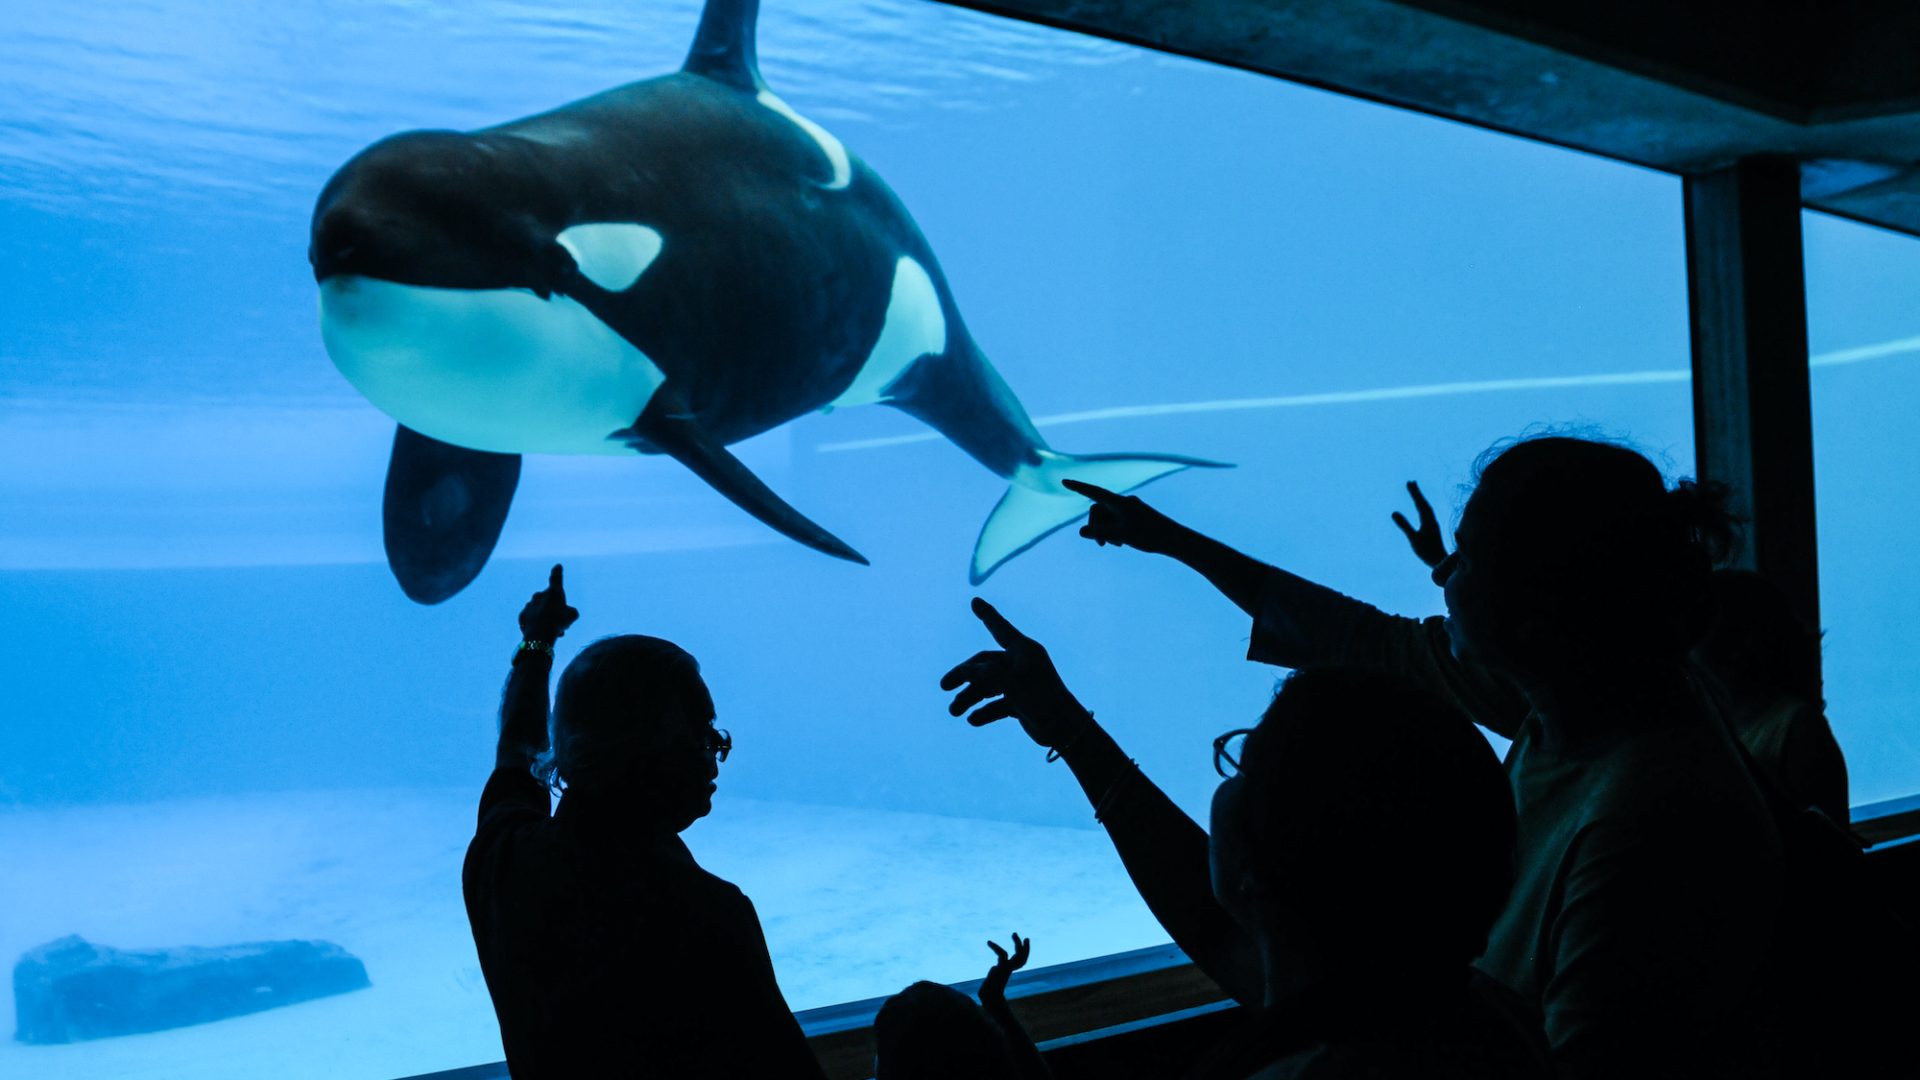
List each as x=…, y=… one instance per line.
x=1336, y=296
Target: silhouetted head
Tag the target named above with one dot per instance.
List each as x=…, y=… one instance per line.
x=1368, y=827
x=439, y=208
x=1575, y=564
x=934, y=1032
x=633, y=728
x=1757, y=646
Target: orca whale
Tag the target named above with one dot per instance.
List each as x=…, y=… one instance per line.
x=667, y=267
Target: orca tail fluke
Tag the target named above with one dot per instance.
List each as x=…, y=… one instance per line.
x=1036, y=506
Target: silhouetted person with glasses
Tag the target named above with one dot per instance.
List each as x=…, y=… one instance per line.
x=1646, y=909
x=1361, y=846
x=608, y=951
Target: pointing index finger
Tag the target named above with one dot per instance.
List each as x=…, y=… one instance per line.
x=553, y=578
x=1091, y=491
x=1004, y=632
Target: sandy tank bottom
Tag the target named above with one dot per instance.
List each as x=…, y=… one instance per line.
x=856, y=903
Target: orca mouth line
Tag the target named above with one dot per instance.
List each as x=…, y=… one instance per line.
x=1839, y=357
x=348, y=281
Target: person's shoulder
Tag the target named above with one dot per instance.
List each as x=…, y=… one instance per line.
x=1505, y=1031
x=513, y=814
x=1802, y=723
x=1671, y=772
x=667, y=863
x=726, y=891
x=516, y=871
x=512, y=796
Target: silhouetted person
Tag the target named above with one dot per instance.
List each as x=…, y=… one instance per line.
x=1362, y=843
x=1649, y=873
x=608, y=951
x=1768, y=663
x=930, y=1031
x=1765, y=659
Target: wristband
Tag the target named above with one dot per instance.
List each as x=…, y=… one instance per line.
x=544, y=648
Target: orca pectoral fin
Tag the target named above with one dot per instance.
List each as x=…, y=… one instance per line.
x=683, y=440
x=442, y=513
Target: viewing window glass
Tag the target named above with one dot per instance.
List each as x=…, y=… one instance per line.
x=1865, y=338
x=226, y=724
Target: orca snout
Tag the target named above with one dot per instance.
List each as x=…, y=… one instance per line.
x=443, y=210
x=340, y=233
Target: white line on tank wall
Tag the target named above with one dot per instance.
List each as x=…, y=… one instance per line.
x=1836, y=358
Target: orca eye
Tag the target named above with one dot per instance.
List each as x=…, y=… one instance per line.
x=612, y=255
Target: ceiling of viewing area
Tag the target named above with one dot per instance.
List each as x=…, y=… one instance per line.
x=1682, y=88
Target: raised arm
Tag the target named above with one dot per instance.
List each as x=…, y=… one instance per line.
x=993, y=998
x=1299, y=623
x=523, y=703
x=1127, y=521
x=1163, y=850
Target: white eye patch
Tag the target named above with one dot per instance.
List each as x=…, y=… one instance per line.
x=611, y=255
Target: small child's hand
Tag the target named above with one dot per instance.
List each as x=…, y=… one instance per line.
x=994, y=986
x=1429, y=546
x=993, y=999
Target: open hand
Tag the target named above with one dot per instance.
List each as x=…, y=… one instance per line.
x=995, y=984
x=1021, y=676
x=1124, y=520
x=1426, y=541
x=547, y=615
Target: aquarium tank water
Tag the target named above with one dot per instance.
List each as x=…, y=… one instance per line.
x=225, y=723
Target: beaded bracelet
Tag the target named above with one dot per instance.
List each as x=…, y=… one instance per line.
x=545, y=648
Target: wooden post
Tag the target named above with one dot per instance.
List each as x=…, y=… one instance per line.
x=1752, y=414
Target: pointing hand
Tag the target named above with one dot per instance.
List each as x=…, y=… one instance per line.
x=547, y=615
x=1124, y=520
x=1021, y=676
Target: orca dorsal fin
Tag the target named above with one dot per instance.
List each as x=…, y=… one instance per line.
x=723, y=47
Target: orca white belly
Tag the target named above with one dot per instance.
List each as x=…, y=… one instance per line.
x=499, y=369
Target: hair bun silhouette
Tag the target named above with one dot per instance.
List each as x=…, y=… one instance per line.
x=1604, y=561
x=1704, y=511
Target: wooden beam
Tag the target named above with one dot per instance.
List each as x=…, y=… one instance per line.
x=1752, y=415
x=1513, y=66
